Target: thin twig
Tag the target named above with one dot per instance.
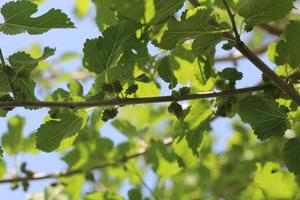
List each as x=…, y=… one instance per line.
x=129, y=101
x=271, y=29
x=144, y=183
x=239, y=56
x=234, y=27
x=2, y=58
x=35, y=177
x=167, y=141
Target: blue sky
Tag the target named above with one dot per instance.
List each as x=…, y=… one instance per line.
x=73, y=40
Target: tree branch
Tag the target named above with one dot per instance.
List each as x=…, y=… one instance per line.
x=35, y=177
x=129, y=101
x=280, y=83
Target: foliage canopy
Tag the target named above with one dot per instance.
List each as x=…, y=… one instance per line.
x=171, y=139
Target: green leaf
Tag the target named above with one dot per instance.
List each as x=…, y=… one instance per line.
x=200, y=111
x=17, y=19
x=195, y=125
x=89, y=154
x=105, y=13
x=166, y=73
x=125, y=127
x=163, y=161
x=2, y=168
x=75, y=88
x=292, y=155
x=287, y=49
x=103, y=196
x=73, y=185
x=82, y=7
x=147, y=11
x=102, y=53
x=4, y=111
x=55, y=192
x=143, y=11
x=28, y=144
x=195, y=137
x=68, y=56
x=162, y=10
x=65, y=124
x=1, y=152
x=22, y=65
x=134, y=194
x=194, y=24
x=257, y=11
x=75, y=93
x=24, y=89
x=38, y=1
x=185, y=153
x=12, y=139
x=143, y=78
x=4, y=87
x=188, y=69
x=275, y=182
x=264, y=115
x=207, y=42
